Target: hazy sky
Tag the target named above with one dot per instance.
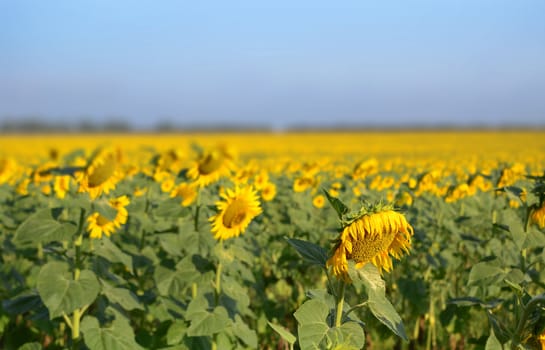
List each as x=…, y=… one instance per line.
x=276, y=63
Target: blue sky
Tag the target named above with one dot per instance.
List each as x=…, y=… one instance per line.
x=278, y=63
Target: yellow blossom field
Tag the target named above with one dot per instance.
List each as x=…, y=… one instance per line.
x=408, y=239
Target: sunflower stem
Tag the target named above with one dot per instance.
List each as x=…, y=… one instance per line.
x=197, y=210
x=76, y=316
x=218, y=282
x=340, y=303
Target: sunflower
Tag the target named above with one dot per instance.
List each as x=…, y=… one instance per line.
x=186, y=191
x=61, y=185
x=537, y=215
x=7, y=169
x=377, y=234
x=211, y=166
x=98, y=224
x=268, y=191
x=235, y=212
x=318, y=201
x=101, y=175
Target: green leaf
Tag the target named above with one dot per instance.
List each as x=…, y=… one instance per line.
x=485, y=273
x=492, y=343
x=312, y=327
x=122, y=296
x=60, y=293
x=43, y=227
x=380, y=306
x=312, y=253
x=349, y=336
x=204, y=323
x=244, y=333
x=283, y=332
x=23, y=302
x=171, y=208
x=111, y=252
x=337, y=204
x=31, y=346
x=176, y=332
x=119, y=336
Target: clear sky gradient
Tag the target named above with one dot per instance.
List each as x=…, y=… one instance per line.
x=275, y=63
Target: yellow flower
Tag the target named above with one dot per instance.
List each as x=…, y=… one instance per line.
x=7, y=169
x=268, y=192
x=375, y=237
x=318, y=201
x=210, y=167
x=235, y=212
x=101, y=175
x=302, y=183
x=541, y=339
x=186, y=191
x=537, y=215
x=61, y=185
x=97, y=225
x=22, y=187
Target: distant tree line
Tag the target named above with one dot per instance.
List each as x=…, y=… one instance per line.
x=40, y=126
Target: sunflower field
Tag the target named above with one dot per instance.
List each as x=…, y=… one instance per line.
x=309, y=240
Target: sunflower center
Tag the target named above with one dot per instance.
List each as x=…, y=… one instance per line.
x=102, y=172
x=3, y=165
x=101, y=220
x=211, y=163
x=234, y=214
x=363, y=250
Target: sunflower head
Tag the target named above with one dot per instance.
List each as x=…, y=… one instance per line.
x=97, y=224
x=374, y=234
x=235, y=212
x=101, y=174
x=211, y=166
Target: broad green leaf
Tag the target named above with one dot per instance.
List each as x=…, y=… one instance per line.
x=492, y=343
x=205, y=323
x=111, y=252
x=61, y=293
x=31, y=346
x=22, y=303
x=379, y=305
x=312, y=253
x=485, y=273
x=118, y=336
x=171, y=208
x=176, y=332
x=122, y=296
x=337, y=204
x=312, y=327
x=244, y=333
x=349, y=336
x=283, y=332
x=44, y=227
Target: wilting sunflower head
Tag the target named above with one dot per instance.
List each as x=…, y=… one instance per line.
x=101, y=174
x=210, y=167
x=374, y=235
x=97, y=225
x=235, y=212
x=537, y=215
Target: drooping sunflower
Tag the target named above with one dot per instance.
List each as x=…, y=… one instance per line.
x=211, y=166
x=375, y=236
x=187, y=191
x=235, y=212
x=61, y=185
x=537, y=215
x=102, y=174
x=97, y=225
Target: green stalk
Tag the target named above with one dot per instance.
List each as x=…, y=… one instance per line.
x=76, y=316
x=197, y=210
x=340, y=303
x=218, y=282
